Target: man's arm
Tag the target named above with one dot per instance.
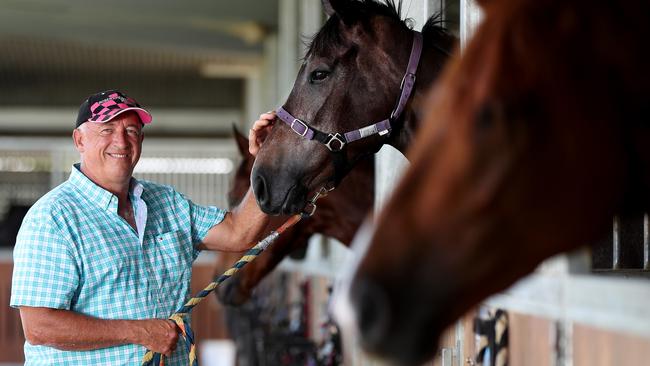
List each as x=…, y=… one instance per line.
x=239, y=229
x=70, y=331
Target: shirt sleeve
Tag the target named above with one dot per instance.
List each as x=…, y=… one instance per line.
x=45, y=273
x=204, y=218
x=201, y=218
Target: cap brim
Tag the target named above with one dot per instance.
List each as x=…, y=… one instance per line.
x=145, y=117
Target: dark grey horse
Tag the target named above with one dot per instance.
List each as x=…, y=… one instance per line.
x=351, y=78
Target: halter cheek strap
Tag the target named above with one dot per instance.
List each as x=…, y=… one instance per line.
x=336, y=142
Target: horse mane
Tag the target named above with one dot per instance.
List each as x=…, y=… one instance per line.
x=436, y=35
x=361, y=11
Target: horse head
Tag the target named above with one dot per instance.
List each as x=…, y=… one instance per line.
x=338, y=216
x=532, y=141
x=350, y=79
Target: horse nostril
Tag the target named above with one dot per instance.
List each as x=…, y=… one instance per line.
x=373, y=311
x=261, y=190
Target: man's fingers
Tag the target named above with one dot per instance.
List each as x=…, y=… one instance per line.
x=173, y=326
x=261, y=124
x=259, y=131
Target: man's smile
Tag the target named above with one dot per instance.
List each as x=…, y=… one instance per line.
x=118, y=156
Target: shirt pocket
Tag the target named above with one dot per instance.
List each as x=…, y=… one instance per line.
x=174, y=259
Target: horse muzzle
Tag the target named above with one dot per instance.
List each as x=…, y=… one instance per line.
x=276, y=196
x=387, y=330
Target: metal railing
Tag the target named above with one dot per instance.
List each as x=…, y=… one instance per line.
x=200, y=169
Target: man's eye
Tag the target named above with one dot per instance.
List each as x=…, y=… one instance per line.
x=105, y=131
x=133, y=131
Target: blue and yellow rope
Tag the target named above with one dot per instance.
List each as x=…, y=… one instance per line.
x=180, y=317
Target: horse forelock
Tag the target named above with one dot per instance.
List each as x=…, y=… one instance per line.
x=358, y=12
x=434, y=31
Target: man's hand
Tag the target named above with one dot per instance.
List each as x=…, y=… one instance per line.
x=158, y=335
x=260, y=130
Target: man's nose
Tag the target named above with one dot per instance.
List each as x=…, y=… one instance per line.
x=120, y=138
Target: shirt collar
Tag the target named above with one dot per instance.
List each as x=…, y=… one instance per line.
x=98, y=195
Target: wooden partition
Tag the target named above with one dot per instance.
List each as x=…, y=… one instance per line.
x=11, y=330
x=597, y=347
x=456, y=344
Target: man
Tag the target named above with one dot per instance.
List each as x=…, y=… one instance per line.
x=102, y=260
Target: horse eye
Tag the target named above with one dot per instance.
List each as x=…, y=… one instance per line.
x=485, y=117
x=318, y=75
x=490, y=114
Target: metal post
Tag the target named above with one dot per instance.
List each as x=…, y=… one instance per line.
x=646, y=242
x=270, y=88
x=253, y=102
x=616, y=245
x=437, y=6
x=470, y=17
x=288, y=46
x=447, y=357
x=310, y=20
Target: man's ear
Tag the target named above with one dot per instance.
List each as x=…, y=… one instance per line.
x=78, y=139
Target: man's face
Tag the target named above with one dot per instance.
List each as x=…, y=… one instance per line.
x=109, y=151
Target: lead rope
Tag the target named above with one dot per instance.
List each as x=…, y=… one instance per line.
x=180, y=317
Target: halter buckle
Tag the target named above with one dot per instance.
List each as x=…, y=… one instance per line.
x=407, y=75
x=301, y=123
x=309, y=210
x=339, y=142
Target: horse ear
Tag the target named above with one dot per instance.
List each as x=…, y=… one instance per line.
x=241, y=140
x=345, y=9
x=327, y=7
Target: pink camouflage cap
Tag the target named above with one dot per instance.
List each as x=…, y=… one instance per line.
x=104, y=106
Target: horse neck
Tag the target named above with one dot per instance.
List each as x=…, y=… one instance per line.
x=408, y=127
x=341, y=213
x=409, y=123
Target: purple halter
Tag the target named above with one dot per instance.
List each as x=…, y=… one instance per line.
x=335, y=142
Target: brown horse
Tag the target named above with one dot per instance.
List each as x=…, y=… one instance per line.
x=338, y=215
x=351, y=78
x=533, y=139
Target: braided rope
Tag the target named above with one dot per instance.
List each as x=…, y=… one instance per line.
x=180, y=317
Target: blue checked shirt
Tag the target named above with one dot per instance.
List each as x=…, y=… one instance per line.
x=75, y=252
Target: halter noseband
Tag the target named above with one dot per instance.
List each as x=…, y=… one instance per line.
x=336, y=142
